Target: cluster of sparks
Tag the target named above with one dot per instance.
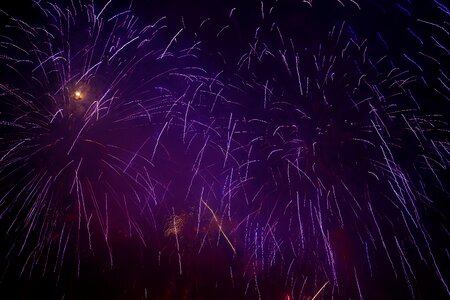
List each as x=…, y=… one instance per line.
x=312, y=171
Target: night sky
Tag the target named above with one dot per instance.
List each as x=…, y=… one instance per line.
x=224, y=149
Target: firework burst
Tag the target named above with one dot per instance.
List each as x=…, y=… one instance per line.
x=309, y=166
x=345, y=164
x=85, y=102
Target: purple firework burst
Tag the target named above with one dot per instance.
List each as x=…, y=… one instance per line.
x=266, y=150
x=86, y=99
x=345, y=163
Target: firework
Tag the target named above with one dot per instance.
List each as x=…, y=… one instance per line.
x=86, y=101
x=305, y=160
x=346, y=163
x=337, y=164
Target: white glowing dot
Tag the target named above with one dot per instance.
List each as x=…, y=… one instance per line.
x=78, y=95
